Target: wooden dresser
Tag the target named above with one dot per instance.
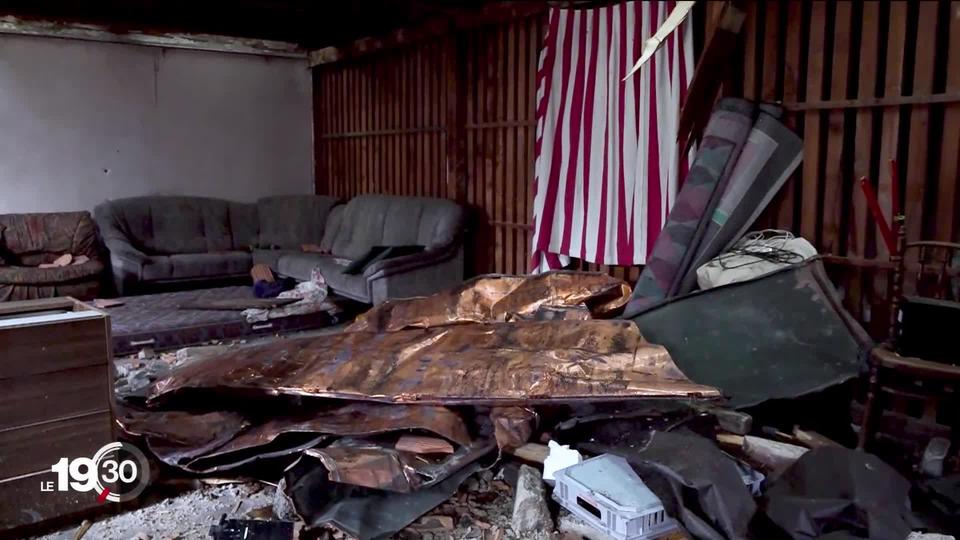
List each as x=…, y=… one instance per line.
x=56, y=391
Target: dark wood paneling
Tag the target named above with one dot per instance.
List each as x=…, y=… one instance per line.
x=35, y=398
x=36, y=448
x=33, y=350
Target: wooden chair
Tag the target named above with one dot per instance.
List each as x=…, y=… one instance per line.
x=930, y=271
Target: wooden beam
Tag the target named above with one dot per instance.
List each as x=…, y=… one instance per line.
x=461, y=20
x=864, y=103
x=202, y=42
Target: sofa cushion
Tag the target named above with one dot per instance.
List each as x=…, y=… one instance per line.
x=288, y=221
x=166, y=225
x=197, y=265
x=382, y=220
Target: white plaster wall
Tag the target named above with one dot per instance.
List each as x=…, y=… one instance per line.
x=82, y=121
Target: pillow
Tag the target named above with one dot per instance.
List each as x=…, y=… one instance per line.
x=379, y=253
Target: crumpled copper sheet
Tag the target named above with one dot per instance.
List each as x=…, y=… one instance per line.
x=179, y=436
x=372, y=465
x=498, y=299
x=213, y=442
x=501, y=363
x=356, y=419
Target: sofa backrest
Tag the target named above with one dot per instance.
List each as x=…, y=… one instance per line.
x=384, y=220
x=167, y=225
x=289, y=221
x=35, y=239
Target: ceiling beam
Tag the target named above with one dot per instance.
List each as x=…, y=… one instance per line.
x=200, y=42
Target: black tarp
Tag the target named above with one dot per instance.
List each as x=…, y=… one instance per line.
x=838, y=493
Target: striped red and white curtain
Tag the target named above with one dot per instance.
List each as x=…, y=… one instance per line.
x=607, y=167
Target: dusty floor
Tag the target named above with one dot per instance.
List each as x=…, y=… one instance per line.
x=185, y=517
x=481, y=510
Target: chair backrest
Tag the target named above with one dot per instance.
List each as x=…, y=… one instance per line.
x=926, y=299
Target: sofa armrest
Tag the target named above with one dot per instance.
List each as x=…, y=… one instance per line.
x=407, y=263
x=422, y=278
x=126, y=261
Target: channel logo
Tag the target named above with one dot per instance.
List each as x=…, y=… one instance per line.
x=117, y=472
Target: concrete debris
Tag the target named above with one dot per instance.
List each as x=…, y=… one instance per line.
x=530, y=513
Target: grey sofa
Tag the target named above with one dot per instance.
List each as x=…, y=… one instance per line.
x=367, y=221
x=170, y=241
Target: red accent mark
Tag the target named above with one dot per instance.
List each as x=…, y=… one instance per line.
x=102, y=498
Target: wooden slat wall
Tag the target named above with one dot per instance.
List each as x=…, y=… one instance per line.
x=381, y=124
x=863, y=83
x=387, y=123
x=501, y=68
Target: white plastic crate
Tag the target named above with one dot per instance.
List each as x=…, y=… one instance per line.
x=606, y=493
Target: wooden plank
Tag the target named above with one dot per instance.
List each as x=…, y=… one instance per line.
x=833, y=170
x=809, y=219
x=510, y=171
x=896, y=44
x=915, y=169
x=496, y=211
x=874, y=102
x=750, y=66
x=200, y=42
x=489, y=140
x=947, y=180
x=770, y=52
x=866, y=88
x=791, y=85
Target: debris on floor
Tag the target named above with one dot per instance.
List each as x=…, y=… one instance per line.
x=429, y=419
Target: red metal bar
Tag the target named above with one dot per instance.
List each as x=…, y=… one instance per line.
x=885, y=231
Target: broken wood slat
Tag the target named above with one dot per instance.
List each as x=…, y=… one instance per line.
x=423, y=445
x=532, y=452
x=812, y=439
x=916, y=165
x=774, y=456
x=834, y=164
x=810, y=214
x=945, y=218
